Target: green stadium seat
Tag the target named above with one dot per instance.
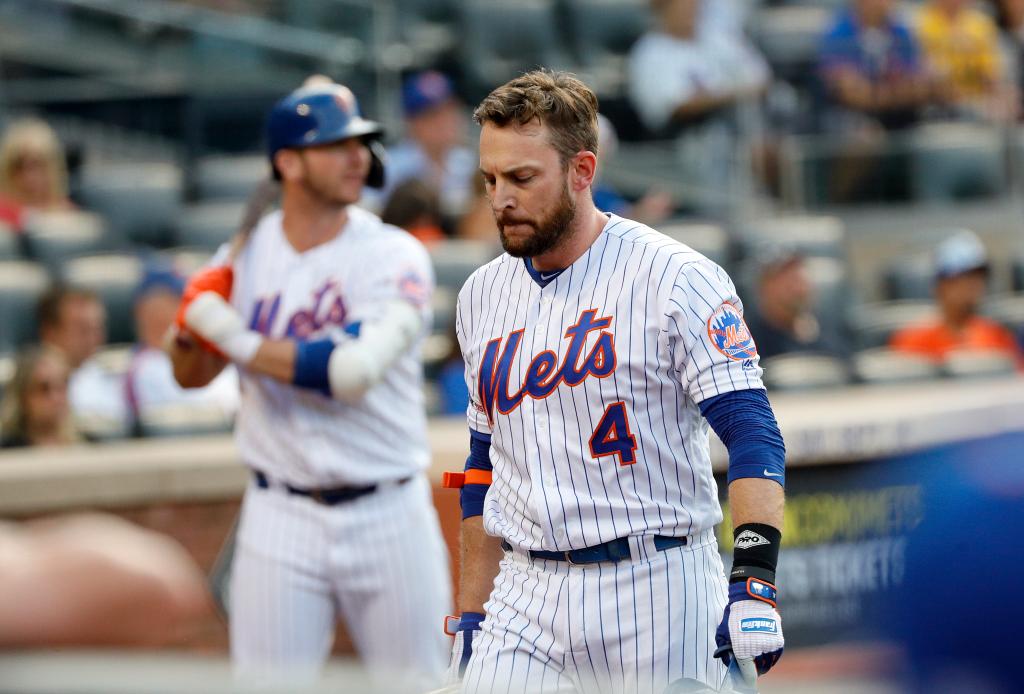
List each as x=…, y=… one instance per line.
x=142, y=201
x=455, y=260
x=209, y=224
x=10, y=243
x=706, y=238
x=804, y=371
x=55, y=237
x=883, y=365
x=22, y=283
x=223, y=177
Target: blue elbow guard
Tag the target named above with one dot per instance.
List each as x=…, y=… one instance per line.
x=745, y=423
x=311, y=360
x=478, y=474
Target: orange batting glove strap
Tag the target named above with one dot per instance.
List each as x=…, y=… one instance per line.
x=458, y=480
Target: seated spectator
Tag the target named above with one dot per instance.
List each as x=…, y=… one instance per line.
x=413, y=206
x=434, y=149
x=150, y=382
x=872, y=81
x=961, y=275
x=1010, y=20
x=35, y=409
x=655, y=206
x=74, y=322
x=784, y=320
x=961, y=47
x=33, y=171
x=685, y=82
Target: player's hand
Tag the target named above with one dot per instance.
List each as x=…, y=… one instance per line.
x=211, y=279
x=467, y=629
x=751, y=629
x=213, y=319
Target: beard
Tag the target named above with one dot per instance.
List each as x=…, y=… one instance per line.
x=326, y=191
x=548, y=231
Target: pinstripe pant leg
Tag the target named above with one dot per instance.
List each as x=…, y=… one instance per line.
x=391, y=574
x=521, y=646
x=282, y=613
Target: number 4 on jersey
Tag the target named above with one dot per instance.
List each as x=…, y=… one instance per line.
x=613, y=437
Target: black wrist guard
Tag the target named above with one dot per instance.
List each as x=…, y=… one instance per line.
x=755, y=552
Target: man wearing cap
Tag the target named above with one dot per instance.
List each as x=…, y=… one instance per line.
x=961, y=275
x=433, y=149
x=150, y=384
x=784, y=321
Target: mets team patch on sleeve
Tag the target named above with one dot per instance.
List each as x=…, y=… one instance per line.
x=729, y=334
x=413, y=288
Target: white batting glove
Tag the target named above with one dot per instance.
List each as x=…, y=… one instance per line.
x=751, y=629
x=217, y=322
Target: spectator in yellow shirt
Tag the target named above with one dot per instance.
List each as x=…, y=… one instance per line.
x=961, y=47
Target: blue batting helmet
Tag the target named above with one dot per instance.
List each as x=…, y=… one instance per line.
x=321, y=114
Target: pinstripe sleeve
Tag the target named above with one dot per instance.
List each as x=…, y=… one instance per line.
x=475, y=415
x=711, y=347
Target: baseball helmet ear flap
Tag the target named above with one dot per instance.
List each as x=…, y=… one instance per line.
x=378, y=158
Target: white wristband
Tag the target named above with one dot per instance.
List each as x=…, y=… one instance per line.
x=215, y=320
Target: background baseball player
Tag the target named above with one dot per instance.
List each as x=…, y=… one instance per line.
x=597, y=352
x=323, y=312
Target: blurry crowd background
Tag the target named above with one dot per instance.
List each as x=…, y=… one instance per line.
x=828, y=154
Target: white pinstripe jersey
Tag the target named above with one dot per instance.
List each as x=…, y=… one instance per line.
x=589, y=387
x=300, y=436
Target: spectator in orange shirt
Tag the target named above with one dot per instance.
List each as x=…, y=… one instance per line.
x=961, y=274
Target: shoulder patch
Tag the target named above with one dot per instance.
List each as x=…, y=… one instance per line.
x=729, y=334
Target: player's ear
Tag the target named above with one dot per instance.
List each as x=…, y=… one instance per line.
x=288, y=163
x=582, y=170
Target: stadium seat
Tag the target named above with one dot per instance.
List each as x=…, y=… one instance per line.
x=789, y=36
x=804, y=371
x=1017, y=271
x=209, y=224
x=443, y=307
x=708, y=239
x=955, y=161
x=828, y=277
x=978, y=363
x=10, y=243
x=808, y=234
x=222, y=177
x=603, y=31
x=873, y=324
x=142, y=201
x=7, y=366
x=500, y=40
x=55, y=237
x=455, y=260
x=114, y=277
x=884, y=365
x=186, y=259
x=909, y=277
x=1008, y=309
x=184, y=419
x=22, y=283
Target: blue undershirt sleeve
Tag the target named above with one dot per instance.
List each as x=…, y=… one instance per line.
x=744, y=421
x=471, y=496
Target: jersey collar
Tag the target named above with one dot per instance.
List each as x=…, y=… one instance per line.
x=541, y=278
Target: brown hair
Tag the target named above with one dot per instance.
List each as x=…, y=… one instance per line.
x=558, y=100
x=50, y=304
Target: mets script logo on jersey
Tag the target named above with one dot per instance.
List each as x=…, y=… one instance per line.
x=544, y=373
x=729, y=334
x=327, y=308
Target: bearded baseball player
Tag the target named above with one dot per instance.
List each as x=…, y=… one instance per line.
x=323, y=312
x=598, y=353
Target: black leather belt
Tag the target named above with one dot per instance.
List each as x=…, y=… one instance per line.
x=613, y=550
x=327, y=497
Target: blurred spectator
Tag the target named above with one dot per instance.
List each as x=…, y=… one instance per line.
x=150, y=380
x=74, y=322
x=655, y=206
x=961, y=275
x=35, y=410
x=1010, y=20
x=91, y=580
x=434, y=149
x=33, y=171
x=478, y=223
x=413, y=206
x=873, y=80
x=784, y=320
x=961, y=46
x=687, y=82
